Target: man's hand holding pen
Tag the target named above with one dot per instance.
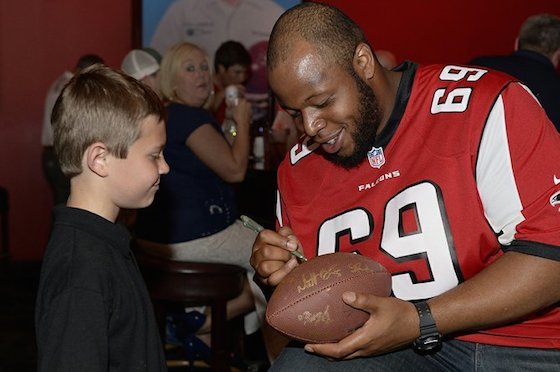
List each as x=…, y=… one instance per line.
x=275, y=254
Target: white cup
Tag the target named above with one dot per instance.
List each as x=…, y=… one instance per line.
x=232, y=95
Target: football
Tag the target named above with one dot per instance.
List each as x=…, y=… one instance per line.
x=307, y=305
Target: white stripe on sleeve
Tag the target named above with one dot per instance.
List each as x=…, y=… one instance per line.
x=495, y=179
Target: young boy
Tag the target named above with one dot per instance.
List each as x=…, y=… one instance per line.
x=93, y=312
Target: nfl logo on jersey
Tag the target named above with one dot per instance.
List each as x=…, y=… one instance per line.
x=376, y=157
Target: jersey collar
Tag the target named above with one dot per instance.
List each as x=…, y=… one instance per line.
x=403, y=94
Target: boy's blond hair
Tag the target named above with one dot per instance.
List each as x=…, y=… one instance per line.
x=170, y=65
x=100, y=105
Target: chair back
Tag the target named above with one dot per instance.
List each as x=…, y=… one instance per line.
x=190, y=282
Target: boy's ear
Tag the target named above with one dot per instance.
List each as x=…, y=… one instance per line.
x=96, y=158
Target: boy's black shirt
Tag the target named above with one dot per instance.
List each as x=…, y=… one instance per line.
x=93, y=312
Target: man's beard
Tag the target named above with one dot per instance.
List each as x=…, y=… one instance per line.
x=365, y=132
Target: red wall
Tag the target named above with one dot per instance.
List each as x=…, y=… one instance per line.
x=39, y=39
x=444, y=31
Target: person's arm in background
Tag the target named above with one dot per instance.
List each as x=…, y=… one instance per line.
x=210, y=146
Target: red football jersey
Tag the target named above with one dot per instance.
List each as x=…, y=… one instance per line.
x=463, y=171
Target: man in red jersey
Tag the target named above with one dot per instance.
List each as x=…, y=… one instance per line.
x=447, y=175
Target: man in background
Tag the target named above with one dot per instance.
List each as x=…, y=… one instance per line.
x=58, y=182
x=143, y=66
x=535, y=61
x=232, y=66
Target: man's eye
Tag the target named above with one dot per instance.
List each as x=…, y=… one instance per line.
x=323, y=104
x=295, y=114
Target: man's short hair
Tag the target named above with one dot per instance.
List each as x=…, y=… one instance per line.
x=100, y=105
x=231, y=53
x=331, y=32
x=540, y=33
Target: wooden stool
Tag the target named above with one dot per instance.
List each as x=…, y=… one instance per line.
x=175, y=283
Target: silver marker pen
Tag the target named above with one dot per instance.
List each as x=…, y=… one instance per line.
x=256, y=227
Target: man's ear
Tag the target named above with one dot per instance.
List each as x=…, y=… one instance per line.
x=96, y=158
x=364, y=61
x=516, y=44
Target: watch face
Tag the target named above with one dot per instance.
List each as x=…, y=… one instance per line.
x=428, y=344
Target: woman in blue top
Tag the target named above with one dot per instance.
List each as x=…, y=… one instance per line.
x=194, y=215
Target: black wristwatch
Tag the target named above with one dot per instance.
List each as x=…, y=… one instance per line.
x=430, y=339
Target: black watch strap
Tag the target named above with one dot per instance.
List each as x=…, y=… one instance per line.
x=430, y=338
